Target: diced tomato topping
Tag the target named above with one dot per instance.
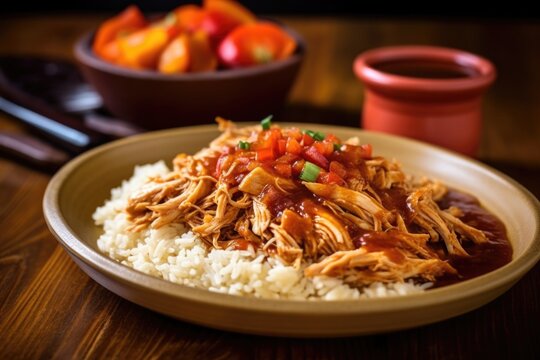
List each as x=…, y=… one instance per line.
x=275, y=133
x=293, y=146
x=282, y=146
x=337, y=168
x=297, y=167
x=307, y=140
x=332, y=138
x=354, y=154
x=283, y=170
x=329, y=149
x=266, y=154
x=330, y=178
x=319, y=146
x=295, y=133
x=270, y=139
x=367, y=151
x=324, y=147
x=314, y=156
x=286, y=152
x=287, y=158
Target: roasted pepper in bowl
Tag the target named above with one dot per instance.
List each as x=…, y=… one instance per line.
x=220, y=34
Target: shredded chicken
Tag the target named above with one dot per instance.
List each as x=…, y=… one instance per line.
x=364, y=267
x=317, y=230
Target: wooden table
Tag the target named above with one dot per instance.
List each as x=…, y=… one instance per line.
x=50, y=308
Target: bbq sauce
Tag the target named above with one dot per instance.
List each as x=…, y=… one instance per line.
x=381, y=241
x=426, y=69
x=483, y=258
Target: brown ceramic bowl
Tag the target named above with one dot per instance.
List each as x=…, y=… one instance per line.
x=155, y=101
x=83, y=184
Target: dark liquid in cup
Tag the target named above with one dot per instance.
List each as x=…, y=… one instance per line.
x=426, y=69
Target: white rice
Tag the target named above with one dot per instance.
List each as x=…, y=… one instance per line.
x=178, y=255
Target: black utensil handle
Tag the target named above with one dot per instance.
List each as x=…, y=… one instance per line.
x=32, y=150
x=55, y=126
x=42, y=123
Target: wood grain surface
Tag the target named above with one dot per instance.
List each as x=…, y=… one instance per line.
x=51, y=309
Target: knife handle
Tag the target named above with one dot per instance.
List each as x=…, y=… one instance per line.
x=31, y=150
x=59, y=128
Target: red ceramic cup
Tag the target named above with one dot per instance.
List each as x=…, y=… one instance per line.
x=432, y=94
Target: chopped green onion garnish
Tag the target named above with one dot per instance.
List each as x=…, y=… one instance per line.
x=244, y=145
x=337, y=147
x=309, y=132
x=267, y=122
x=316, y=135
x=310, y=172
x=319, y=136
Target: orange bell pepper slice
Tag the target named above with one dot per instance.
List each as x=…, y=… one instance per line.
x=202, y=55
x=111, y=51
x=189, y=17
x=175, y=57
x=142, y=49
x=129, y=20
x=231, y=8
x=170, y=24
x=188, y=52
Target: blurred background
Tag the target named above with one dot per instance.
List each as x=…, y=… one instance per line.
x=302, y=7
x=326, y=89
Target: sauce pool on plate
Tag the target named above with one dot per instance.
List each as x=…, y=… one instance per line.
x=483, y=257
